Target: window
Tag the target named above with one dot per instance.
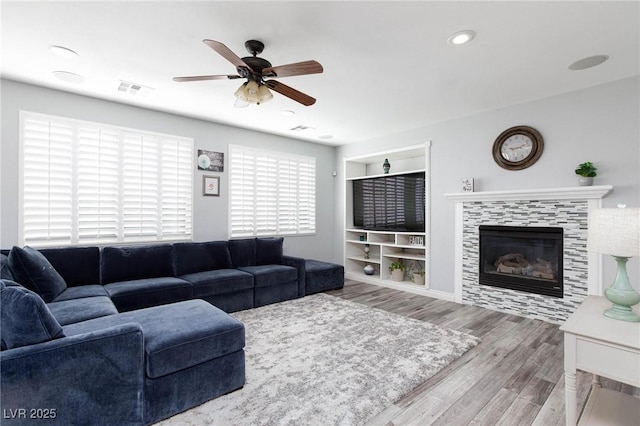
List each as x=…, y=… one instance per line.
x=90, y=183
x=271, y=193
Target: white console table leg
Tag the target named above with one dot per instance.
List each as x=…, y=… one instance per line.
x=570, y=386
x=570, y=398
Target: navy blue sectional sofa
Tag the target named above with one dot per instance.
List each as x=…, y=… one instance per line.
x=131, y=335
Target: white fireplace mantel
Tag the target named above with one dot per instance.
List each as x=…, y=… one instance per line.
x=571, y=193
x=591, y=194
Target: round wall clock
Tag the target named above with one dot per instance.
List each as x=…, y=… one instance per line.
x=518, y=148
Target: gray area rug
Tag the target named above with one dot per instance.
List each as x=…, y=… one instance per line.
x=322, y=360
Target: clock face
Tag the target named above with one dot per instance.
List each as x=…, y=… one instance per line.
x=516, y=148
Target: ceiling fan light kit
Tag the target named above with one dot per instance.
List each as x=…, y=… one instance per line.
x=255, y=70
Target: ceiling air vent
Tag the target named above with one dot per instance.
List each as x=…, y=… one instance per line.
x=134, y=88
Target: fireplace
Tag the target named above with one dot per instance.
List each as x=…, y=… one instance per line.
x=522, y=258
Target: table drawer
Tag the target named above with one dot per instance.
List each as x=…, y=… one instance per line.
x=615, y=362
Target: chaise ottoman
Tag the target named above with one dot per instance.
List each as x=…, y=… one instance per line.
x=193, y=352
x=322, y=276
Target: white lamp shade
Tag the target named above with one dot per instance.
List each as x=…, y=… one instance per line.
x=241, y=93
x=264, y=94
x=615, y=232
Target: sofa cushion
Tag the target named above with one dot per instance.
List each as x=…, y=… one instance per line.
x=72, y=311
x=5, y=270
x=268, y=275
x=81, y=292
x=243, y=252
x=137, y=294
x=25, y=318
x=33, y=270
x=134, y=263
x=269, y=251
x=77, y=265
x=176, y=336
x=189, y=258
x=222, y=281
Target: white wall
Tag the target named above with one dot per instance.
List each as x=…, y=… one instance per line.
x=599, y=124
x=210, y=213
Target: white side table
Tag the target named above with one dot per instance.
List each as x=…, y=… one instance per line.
x=604, y=347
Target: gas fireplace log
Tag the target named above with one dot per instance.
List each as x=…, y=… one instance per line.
x=512, y=260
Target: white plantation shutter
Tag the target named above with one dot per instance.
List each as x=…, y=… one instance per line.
x=271, y=193
x=46, y=196
x=89, y=183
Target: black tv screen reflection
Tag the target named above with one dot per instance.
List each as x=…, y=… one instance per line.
x=390, y=203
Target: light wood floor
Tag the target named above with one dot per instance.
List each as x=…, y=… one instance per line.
x=513, y=377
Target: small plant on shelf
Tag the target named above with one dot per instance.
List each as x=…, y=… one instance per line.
x=397, y=269
x=587, y=169
x=397, y=265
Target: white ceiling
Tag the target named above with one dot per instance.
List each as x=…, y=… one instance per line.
x=387, y=65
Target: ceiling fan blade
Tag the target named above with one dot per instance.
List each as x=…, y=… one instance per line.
x=290, y=92
x=299, y=68
x=226, y=53
x=206, y=77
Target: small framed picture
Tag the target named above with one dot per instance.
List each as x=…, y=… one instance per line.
x=467, y=185
x=210, y=161
x=211, y=185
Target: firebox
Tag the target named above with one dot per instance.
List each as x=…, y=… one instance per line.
x=522, y=258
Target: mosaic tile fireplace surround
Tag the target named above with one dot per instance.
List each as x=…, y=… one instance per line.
x=566, y=208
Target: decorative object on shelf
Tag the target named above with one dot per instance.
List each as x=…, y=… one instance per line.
x=386, y=166
x=210, y=161
x=587, y=171
x=416, y=272
x=362, y=238
x=368, y=270
x=518, y=148
x=366, y=251
x=416, y=240
x=467, y=185
x=397, y=269
x=617, y=232
x=211, y=185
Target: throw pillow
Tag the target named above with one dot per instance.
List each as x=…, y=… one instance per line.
x=269, y=251
x=31, y=269
x=5, y=270
x=243, y=252
x=26, y=319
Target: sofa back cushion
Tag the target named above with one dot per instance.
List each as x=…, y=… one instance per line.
x=243, y=252
x=77, y=265
x=26, y=319
x=269, y=251
x=31, y=269
x=135, y=263
x=189, y=258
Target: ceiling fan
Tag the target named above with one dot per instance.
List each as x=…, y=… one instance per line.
x=255, y=70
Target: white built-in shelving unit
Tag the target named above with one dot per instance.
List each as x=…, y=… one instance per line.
x=386, y=247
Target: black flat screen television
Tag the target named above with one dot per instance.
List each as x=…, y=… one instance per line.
x=390, y=203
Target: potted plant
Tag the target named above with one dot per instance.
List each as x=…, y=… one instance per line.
x=397, y=269
x=417, y=276
x=587, y=171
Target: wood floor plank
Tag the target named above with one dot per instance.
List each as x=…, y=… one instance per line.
x=514, y=376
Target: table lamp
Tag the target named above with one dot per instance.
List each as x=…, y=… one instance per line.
x=617, y=232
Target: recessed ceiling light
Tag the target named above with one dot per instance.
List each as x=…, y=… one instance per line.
x=69, y=77
x=63, y=51
x=325, y=137
x=461, y=37
x=589, y=62
x=288, y=112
